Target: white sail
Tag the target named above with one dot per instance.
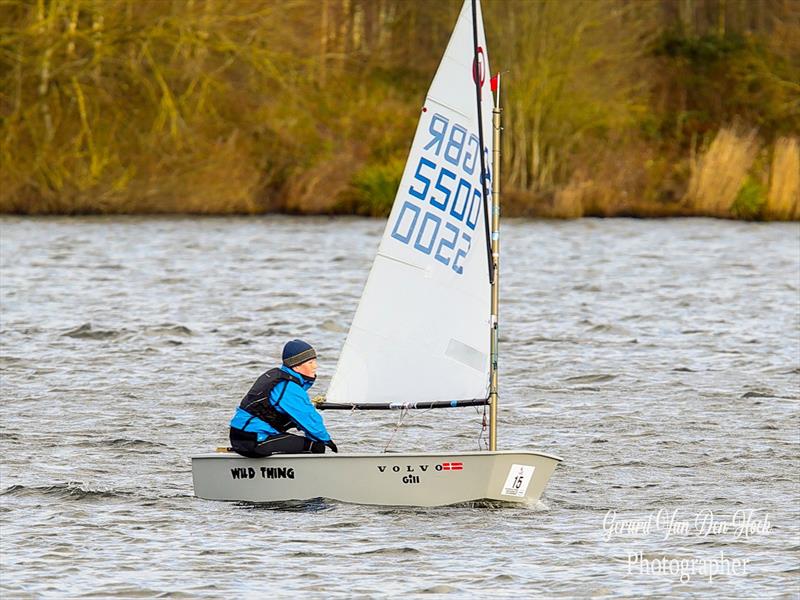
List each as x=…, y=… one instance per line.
x=421, y=330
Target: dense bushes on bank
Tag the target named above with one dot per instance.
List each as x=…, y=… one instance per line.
x=309, y=106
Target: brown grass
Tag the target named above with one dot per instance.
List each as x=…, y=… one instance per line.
x=614, y=180
x=207, y=177
x=318, y=188
x=718, y=175
x=783, y=198
x=568, y=201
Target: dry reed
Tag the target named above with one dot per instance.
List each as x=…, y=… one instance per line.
x=568, y=201
x=783, y=198
x=718, y=175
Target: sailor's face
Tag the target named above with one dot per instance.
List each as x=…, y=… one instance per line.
x=312, y=367
x=308, y=368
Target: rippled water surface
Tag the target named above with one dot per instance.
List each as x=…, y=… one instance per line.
x=660, y=359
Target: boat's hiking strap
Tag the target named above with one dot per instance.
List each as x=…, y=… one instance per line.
x=223, y=449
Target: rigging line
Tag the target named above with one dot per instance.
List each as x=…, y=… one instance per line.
x=476, y=75
x=403, y=413
x=482, y=444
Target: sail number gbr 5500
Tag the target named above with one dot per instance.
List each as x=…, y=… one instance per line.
x=446, y=197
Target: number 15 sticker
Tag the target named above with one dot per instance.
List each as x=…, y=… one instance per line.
x=519, y=476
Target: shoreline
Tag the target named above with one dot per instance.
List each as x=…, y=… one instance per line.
x=527, y=216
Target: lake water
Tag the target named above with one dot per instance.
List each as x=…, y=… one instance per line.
x=660, y=359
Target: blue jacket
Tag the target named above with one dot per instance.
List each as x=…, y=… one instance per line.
x=295, y=403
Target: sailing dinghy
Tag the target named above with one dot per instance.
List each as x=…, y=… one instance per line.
x=425, y=331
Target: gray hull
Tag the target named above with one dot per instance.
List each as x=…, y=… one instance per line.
x=410, y=479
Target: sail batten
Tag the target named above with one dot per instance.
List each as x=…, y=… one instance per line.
x=441, y=104
x=421, y=329
x=402, y=262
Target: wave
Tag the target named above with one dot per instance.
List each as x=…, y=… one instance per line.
x=87, y=332
x=64, y=491
x=765, y=393
x=440, y=588
x=541, y=339
x=311, y=505
x=627, y=463
x=332, y=326
x=402, y=551
x=595, y=378
x=72, y=490
x=169, y=329
x=131, y=444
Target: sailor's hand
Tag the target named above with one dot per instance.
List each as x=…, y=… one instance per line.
x=317, y=400
x=332, y=446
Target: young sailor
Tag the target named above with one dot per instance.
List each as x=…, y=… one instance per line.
x=279, y=401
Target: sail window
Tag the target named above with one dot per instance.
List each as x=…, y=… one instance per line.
x=466, y=355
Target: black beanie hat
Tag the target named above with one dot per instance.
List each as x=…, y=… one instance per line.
x=297, y=352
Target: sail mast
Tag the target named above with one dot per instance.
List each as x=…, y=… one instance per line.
x=493, y=397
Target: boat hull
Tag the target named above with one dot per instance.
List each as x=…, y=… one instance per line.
x=396, y=479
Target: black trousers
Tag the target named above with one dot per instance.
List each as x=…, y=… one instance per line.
x=246, y=443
